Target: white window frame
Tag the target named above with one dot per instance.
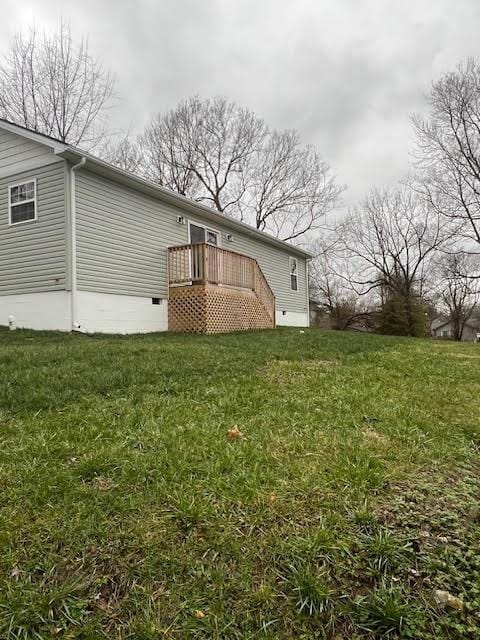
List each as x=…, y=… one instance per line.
x=292, y=273
x=14, y=204
x=207, y=228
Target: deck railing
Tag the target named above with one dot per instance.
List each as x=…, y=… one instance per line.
x=209, y=264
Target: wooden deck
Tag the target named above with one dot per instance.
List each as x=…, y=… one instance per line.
x=213, y=290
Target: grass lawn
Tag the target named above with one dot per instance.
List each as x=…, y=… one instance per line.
x=127, y=511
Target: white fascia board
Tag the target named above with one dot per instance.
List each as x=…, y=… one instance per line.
x=39, y=138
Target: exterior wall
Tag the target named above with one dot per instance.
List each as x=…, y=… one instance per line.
x=110, y=313
x=469, y=334
x=122, y=240
x=293, y=319
x=49, y=311
x=33, y=254
x=18, y=153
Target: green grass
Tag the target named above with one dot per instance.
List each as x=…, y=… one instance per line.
x=126, y=511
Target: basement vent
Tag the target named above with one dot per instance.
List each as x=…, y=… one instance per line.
x=156, y=300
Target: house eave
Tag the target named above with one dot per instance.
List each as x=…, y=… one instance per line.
x=74, y=155
x=170, y=197
x=47, y=141
x=448, y=322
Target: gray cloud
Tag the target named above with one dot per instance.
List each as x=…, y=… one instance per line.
x=347, y=74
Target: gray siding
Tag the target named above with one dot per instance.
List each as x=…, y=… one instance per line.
x=122, y=240
x=32, y=255
x=15, y=151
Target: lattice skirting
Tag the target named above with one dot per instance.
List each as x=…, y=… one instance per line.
x=214, y=309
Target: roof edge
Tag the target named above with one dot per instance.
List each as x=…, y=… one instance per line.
x=468, y=323
x=41, y=138
x=186, y=204
x=126, y=177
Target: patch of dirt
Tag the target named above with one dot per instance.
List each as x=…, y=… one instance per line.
x=103, y=484
x=466, y=356
x=291, y=371
x=375, y=437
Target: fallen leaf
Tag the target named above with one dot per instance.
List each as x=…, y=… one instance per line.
x=103, y=484
x=447, y=600
x=199, y=614
x=15, y=573
x=234, y=433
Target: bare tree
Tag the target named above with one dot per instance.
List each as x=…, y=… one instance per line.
x=200, y=148
x=459, y=294
x=332, y=293
x=223, y=155
x=54, y=86
x=343, y=307
x=389, y=242
x=123, y=152
x=289, y=188
x=448, y=148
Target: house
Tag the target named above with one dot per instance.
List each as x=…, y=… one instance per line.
x=443, y=328
x=90, y=247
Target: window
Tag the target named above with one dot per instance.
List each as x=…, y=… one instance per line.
x=293, y=274
x=212, y=237
x=200, y=235
x=22, y=201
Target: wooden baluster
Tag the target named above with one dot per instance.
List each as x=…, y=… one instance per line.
x=204, y=278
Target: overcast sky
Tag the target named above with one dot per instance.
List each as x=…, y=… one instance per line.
x=346, y=73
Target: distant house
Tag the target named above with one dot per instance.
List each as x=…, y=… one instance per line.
x=444, y=328
x=87, y=246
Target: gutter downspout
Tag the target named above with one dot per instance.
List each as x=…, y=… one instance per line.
x=73, y=241
x=307, y=277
